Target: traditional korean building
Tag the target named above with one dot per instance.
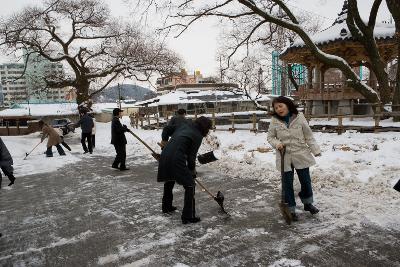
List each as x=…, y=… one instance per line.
x=326, y=90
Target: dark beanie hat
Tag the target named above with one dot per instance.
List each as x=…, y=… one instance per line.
x=203, y=124
x=116, y=111
x=181, y=111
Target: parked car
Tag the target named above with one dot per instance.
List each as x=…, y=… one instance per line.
x=65, y=124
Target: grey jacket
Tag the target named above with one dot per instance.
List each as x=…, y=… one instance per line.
x=298, y=140
x=6, y=160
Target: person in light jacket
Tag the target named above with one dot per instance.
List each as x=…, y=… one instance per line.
x=53, y=139
x=290, y=129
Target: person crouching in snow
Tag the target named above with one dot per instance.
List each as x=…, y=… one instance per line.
x=53, y=139
x=6, y=163
x=290, y=129
x=178, y=161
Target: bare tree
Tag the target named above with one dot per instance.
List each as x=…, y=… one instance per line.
x=394, y=7
x=96, y=48
x=266, y=13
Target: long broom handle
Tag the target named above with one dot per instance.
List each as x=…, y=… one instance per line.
x=143, y=142
x=282, y=152
x=27, y=154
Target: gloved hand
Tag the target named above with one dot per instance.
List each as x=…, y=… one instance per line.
x=163, y=144
x=279, y=146
x=126, y=128
x=318, y=155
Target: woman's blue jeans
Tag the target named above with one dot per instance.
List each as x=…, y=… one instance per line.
x=306, y=193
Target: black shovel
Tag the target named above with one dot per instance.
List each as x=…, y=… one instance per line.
x=219, y=198
x=283, y=206
x=397, y=186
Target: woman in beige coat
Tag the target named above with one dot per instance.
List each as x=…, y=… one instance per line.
x=289, y=129
x=54, y=139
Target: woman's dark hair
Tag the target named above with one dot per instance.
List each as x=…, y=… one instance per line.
x=181, y=111
x=203, y=124
x=292, y=107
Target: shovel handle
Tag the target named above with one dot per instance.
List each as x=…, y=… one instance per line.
x=27, y=154
x=143, y=142
x=202, y=186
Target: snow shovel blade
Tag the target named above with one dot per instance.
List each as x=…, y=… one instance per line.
x=285, y=212
x=219, y=198
x=206, y=157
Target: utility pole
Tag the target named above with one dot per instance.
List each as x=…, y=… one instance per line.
x=119, y=96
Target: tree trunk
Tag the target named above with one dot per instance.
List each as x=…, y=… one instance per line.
x=394, y=8
x=82, y=92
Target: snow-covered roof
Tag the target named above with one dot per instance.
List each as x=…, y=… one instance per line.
x=37, y=110
x=199, y=96
x=339, y=32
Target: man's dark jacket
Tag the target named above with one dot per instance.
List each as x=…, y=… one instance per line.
x=177, y=121
x=86, y=123
x=6, y=160
x=178, y=158
x=118, y=132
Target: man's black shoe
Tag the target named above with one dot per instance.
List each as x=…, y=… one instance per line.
x=311, y=208
x=190, y=220
x=295, y=218
x=114, y=166
x=168, y=210
x=124, y=169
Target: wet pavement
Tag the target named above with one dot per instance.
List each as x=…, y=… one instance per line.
x=89, y=214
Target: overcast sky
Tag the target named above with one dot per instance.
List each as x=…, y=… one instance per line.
x=198, y=45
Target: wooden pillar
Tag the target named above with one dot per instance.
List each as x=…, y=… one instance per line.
x=254, y=119
x=18, y=129
x=340, y=125
x=166, y=116
x=141, y=121
x=213, y=120
x=351, y=109
x=329, y=110
x=8, y=127
x=157, y=121
x=137, y=120
x=309, y=77
x=148, y=119
x=377, y=117
x=233, y=123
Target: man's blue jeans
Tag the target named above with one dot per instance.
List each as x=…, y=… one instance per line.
x=306, y=194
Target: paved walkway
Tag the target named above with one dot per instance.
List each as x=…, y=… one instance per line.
x=89, y=215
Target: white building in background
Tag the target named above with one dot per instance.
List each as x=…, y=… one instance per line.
x=37, y=69
x=13, y=86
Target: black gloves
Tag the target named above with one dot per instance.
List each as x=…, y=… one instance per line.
x=125, y=128
x=194, y=174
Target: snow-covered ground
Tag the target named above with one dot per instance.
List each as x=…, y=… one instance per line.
x=352, y=180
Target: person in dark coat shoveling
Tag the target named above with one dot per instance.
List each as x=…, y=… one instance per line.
x=178, y=162
x=6, y=163
x=118, y=139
